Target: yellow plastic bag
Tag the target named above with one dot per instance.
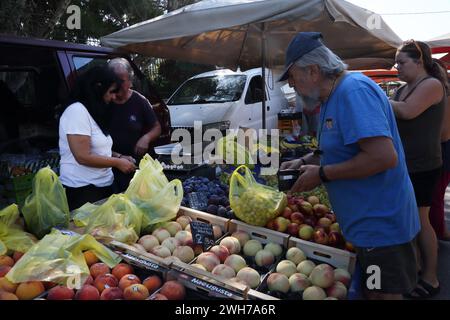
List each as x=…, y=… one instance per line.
x=46, y=207
x=118, y=218
x=158, y=199
x=12, y=237
x=252, y=202
x=82, y=214
x=59, y=258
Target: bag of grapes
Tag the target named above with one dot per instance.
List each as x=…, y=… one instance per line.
x=254, y=203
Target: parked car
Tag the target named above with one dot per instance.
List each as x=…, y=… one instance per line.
x=39, y=74
x=226, y=99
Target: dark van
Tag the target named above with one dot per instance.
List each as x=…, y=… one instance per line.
x=36, y=77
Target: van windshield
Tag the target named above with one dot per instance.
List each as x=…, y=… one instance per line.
x=210, y=90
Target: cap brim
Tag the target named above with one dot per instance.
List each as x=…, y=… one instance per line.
x=284, y=76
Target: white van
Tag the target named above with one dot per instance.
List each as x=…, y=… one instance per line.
x=225, y=99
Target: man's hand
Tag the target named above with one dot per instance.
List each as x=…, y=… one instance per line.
x=142, y=146
x=291, y=165
x=308, y=179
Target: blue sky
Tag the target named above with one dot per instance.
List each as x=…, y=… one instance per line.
x=412, y=26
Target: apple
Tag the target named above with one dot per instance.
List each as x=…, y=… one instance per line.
x=320, y=237
x=313, y=200
x=287, y=213
x=306, y=232
x=306, y=208
x=310, y=220
x=320, y=210
x=297, y=217
x=293, y=207
x=281, y=224
x=325, y=223
x=335, y=227
x=331, y=216
x=293, y=229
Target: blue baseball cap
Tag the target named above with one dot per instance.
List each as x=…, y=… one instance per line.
x=302, y=43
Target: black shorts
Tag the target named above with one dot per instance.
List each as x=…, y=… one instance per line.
x=424, y=184
x=76, y=197
x=390, y=269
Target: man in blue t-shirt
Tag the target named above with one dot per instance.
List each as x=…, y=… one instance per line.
x=361, y=163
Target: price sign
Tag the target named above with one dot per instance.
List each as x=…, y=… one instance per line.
x=202, y=233
x=197, y=201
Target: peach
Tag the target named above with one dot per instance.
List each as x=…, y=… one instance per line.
x=161, y=234
x=29, y=290
x=337, y=290
x=173, y=290
x=236, y=262
x=342, y=276
x=275, y=248
x=99, y=268
x=237, y=280
x=104, y=281
x=281, y=224
x=295, y=255
x=184, y=253
x=148, y=242
x=221, y=252
x=224, y=271
x=188, y=228
x=128, y=280
x=4, y=295
x=17, y=255
x=198, y=266
x=173, y=227
x=314, y=293
x=161, y=251
x=113, y=293
x=306, y=267
x=278, y=282
x=264, y=258
x=152, y=283
x=306, y=208
x=322, y=276
x=252, y=247
x=89, y=280
x=286, y=267
x=6, y=261
x=250, y=276
x=4, y=270
x=306, y=232
x=136, y=292
x=121, y=269
x=217, y=231
x=60, y=293
x=242, y=236
x=90, y=257
x=184, y=237
x=184, y=221
x=139, y=247
x=335, y=227
x=159, y=296
x=299, y=282
x=313, y=200
x=88, y=292
x=232, y=244
x=170, y=243
x=198, y=248
x=7, y=285
x=209, y=260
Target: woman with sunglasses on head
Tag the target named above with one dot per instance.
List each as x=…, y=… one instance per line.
x=419, y=108
x=84, y=140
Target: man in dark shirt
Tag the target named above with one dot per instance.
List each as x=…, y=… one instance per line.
x=134, y=125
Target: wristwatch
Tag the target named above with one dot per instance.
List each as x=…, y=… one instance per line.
x=322, y=175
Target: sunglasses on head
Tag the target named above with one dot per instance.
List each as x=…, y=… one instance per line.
x=412, y=41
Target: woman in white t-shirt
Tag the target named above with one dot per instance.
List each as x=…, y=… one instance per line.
x=84, y=140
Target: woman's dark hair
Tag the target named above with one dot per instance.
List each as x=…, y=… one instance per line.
x=420, y=51
x=90, y=88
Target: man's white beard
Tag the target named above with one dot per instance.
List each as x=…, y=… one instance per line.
x=312, y=101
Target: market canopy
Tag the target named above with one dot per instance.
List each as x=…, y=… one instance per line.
x=230, y=33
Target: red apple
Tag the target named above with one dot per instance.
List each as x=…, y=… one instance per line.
x=320, y=237
x=293, y=229
x=320, y=210
x=297, y=217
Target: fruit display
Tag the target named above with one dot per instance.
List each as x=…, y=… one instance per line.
x=310, y=220
x=173, y=239
x=298, y=278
